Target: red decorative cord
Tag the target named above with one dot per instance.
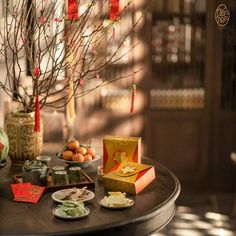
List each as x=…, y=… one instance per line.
x=133, y=98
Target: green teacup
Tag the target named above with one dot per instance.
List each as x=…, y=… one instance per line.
x=44, y=159
x=75, y=175
x=60, y=178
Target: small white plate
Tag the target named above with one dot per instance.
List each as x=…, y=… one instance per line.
x=55, y=211
x=89, y=196
x=117, y=207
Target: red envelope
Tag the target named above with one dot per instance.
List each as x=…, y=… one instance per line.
x=26, y=192
x=22, y=187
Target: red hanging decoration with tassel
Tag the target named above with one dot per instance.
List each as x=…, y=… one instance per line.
x=73, y=6
x=36, y=73
x=114, y=10
x=37, y=115
x=133, y=98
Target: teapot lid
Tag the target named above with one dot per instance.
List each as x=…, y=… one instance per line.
x=30, y=165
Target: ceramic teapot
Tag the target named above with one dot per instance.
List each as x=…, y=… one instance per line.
x=35, y=172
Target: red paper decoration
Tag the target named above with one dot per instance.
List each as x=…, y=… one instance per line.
x=133, y=98
x=73, y=6
x=114, y=9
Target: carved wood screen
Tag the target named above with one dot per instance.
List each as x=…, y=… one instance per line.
x=228, y=76
x=178, y=54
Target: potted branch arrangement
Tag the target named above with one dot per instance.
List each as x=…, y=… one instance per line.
x=60, y=45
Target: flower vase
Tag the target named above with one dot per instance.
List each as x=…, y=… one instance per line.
x=24, y=142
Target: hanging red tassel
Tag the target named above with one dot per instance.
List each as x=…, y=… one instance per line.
x=37, y=115
x=133, y=98
x=73, y=6
x=114, y=10
x=36, y=73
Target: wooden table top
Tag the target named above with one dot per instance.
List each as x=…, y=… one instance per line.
x=154, y=207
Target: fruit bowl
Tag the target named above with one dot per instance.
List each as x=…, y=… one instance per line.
x=77, y=163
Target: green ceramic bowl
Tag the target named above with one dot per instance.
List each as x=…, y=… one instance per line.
x=4, y=145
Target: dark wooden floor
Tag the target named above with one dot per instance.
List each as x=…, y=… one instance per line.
x=202, y=215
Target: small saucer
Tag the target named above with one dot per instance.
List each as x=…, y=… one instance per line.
x=55, y=211
x=117, y=207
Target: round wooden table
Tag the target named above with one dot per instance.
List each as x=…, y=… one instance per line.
x=154, y=207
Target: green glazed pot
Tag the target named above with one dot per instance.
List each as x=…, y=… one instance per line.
x=4, y=145
x=24, y=142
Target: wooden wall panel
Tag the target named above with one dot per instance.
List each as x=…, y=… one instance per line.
x=177, y=143
x=223, y=173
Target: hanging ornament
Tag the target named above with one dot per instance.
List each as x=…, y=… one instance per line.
x=133, y=98
x=73, y=8
x=114, y=10
x=36, y=74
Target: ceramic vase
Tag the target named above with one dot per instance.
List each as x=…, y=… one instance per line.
x=24, y=142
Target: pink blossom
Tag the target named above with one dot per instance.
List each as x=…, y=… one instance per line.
x=42, y=20
x=81, y=82
x=57, y=19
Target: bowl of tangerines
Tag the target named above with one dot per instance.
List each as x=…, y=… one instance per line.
x=77, y=154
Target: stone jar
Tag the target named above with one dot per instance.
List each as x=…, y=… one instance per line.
x=24, y=142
